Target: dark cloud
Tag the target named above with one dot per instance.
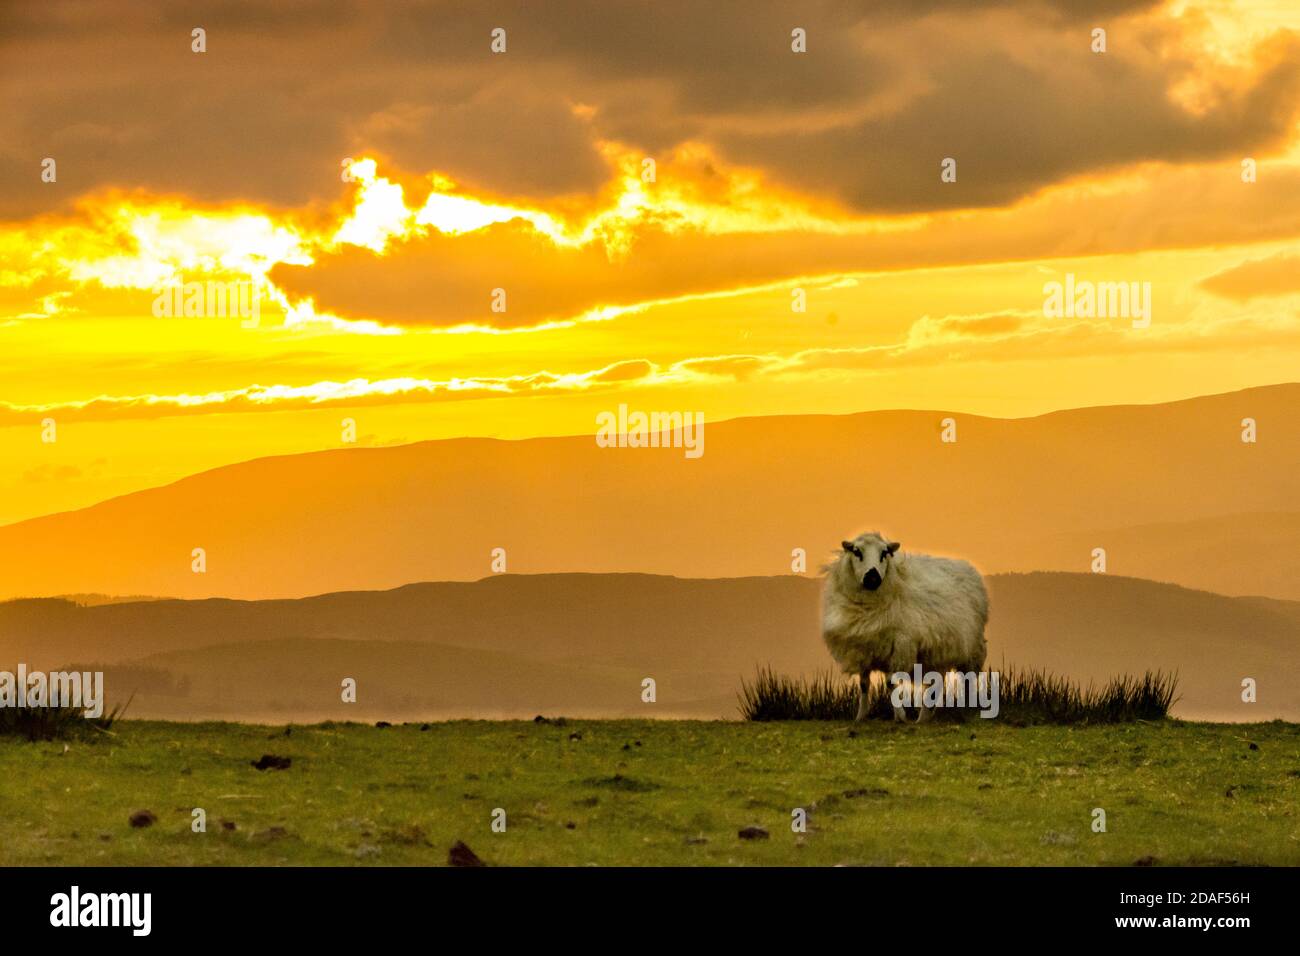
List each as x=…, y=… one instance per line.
x=1014, y=126
x=438, y=280
x=286, y=90
x=520, y=141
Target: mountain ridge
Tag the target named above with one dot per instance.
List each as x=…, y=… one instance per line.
x=464, y=649
x=1009, y=494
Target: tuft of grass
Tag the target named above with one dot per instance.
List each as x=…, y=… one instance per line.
x=824, y=696
x=55, y=723
x=1025, y=696
x=1041, y=698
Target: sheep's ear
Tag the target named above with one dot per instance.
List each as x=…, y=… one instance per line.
x=846, y=545
x=893, y=547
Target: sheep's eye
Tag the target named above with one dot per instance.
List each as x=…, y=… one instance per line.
x=856, y=552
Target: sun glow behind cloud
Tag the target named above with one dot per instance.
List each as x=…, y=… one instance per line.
x=115, y=241
x=678, y=275
x=738, y=201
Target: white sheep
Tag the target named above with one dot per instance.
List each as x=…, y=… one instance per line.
x=885, y=611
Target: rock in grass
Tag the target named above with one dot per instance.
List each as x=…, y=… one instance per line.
x=462, y=855
x=143, y=818
x=408, y=834
x=620, y=782
x=272, y=762
x=381, y=724
x=753, y=833
x=866, y=792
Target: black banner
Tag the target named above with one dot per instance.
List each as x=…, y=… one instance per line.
x=335, y=905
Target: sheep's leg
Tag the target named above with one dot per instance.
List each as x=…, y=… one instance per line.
x=864, y=682
x=924, y=711
x=900, y=713
x=900, y=668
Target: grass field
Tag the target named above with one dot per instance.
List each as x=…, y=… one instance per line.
x=658, y=792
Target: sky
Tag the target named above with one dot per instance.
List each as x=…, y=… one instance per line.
x=449, y=230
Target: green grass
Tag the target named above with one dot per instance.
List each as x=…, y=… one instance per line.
x=659, y=792
x=1024, y=697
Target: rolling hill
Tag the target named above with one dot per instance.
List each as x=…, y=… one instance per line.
x=1170, y=491
x=580, y=644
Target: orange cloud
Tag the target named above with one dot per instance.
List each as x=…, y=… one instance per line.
x=1258, y=278
x=929, y=342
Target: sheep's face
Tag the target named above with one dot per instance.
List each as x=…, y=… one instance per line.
x=868, y=557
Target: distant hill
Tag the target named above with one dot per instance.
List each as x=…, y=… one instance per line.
x=580, y=644
x=90, y=600
x=1242, y=554
x=1170, y=491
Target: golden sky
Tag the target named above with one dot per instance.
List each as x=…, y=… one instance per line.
x=372, y=174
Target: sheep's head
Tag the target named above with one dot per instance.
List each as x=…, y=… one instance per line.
x=867, y=558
